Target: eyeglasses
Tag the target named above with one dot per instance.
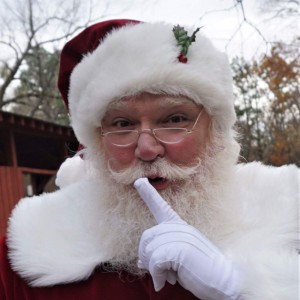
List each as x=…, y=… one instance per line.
x=125, y=138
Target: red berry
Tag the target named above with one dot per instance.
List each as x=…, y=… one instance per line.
x=182, y=58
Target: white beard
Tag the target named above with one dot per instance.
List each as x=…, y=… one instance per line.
x=197, y=198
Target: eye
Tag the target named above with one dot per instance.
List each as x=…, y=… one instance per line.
x=122, y=123
x=176, y=119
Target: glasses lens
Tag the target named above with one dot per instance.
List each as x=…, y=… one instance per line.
x=122, y=138
x=170, y=135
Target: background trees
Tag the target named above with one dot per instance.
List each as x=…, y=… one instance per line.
x=31, y=33
x=37, y=95
x=268, y=105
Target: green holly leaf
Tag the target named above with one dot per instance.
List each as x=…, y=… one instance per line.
x=183, y=40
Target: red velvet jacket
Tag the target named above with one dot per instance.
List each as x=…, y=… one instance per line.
x=101, y=285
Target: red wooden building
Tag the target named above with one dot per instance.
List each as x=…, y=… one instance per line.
x=31, y=151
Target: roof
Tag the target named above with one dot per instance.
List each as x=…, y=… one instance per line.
x=19, y=121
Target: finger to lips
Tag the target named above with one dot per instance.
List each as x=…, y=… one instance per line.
x=160, y=209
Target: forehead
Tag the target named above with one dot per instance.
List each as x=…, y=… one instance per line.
x=161, y=101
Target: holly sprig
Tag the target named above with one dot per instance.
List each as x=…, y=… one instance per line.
x=184, y=41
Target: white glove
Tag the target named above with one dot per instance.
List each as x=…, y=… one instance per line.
x=175, y=251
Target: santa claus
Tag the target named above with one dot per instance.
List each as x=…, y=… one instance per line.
x=155, y=206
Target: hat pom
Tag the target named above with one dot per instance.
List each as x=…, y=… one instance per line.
x=70, y=171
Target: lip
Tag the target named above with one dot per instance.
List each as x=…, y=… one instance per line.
x=159, y=185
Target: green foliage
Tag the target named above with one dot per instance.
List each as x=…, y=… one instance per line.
x=183, y=40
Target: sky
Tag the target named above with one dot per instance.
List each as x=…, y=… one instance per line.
x=222, y=20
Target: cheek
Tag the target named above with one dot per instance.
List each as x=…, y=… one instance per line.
x=187, y=152
x=118, y=158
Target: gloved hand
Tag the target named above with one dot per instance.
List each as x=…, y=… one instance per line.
x=175, y=251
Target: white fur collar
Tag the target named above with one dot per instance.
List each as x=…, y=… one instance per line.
x=56, y=237
x=61, y=237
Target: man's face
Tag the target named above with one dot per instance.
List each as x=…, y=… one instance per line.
x=149, y=111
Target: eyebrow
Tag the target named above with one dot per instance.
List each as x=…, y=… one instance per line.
x=172, y=101
x=165, y=102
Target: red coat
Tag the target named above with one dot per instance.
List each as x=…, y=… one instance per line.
x=101, y=285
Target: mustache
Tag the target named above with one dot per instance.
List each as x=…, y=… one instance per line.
x=158, y=168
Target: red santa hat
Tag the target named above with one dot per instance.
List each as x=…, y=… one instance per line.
x=118, y=58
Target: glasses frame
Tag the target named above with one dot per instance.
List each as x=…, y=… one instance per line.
x=151, y=131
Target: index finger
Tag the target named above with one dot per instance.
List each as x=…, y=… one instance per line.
x=159, y=208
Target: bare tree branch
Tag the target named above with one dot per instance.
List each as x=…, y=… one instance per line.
x=28, y=16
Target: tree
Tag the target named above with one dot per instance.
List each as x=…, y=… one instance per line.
x=268, y=105
x=37, y=95
x=281, y=8
x=36, y=25
x=250, y=106
x=280, y=70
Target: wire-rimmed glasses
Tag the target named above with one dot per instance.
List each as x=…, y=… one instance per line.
x=125, y=138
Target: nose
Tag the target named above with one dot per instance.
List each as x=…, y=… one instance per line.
x=148, y=148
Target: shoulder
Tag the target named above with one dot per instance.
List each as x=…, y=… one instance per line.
x=51, y=210
x=44, y=230
x=270, y=200
x=281, y=183
x=267, y=183
x=257, y=172
x=265, y=241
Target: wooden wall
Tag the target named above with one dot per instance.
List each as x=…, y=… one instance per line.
x=11, y=190
x=31, y=152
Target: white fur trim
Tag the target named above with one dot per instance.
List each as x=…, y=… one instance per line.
x=55, y=238
x=143, y=58
x=71, y=170
x=264, y=244
x=59, y=237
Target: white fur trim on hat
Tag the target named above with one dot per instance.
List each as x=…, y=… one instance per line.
x=144, y=58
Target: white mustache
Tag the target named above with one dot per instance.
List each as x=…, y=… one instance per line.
x=159, y=168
